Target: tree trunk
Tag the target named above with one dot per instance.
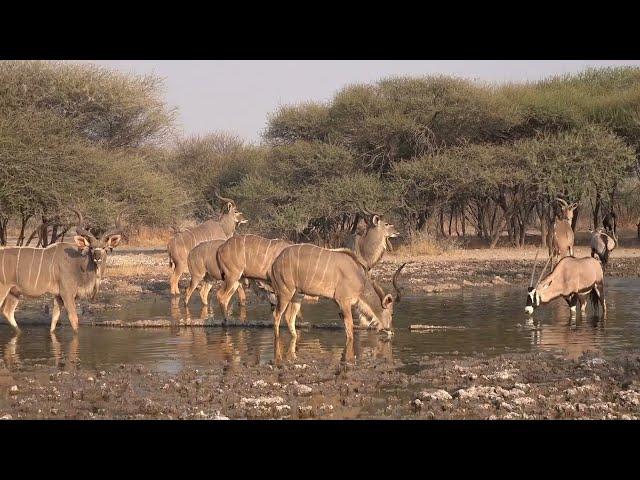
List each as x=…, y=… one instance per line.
x=596, y=210
x=574, y=221
x=498, y=231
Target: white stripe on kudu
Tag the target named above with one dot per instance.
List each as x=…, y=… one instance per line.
x=315, y=269
x=35, y=285
x=17, y=264
x=266, y=258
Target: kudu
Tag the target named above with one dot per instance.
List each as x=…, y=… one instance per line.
x=307, y=269
x=214, y=229
x=203, y=266
x=369, y=241
x=602, y=245
x=66, y=270
x=561, y=236
x=573, y=279
x=249, y=256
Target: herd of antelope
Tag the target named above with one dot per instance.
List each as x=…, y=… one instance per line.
x=283, y=272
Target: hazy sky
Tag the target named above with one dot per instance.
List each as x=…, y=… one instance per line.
x=236, y=96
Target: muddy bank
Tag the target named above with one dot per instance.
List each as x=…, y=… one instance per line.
x=523, y=386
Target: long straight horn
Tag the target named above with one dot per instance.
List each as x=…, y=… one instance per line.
x=533, y=272
x=395, y=285
x=543, y=270
x=225, y=200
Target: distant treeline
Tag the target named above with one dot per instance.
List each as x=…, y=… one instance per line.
x=438, y=155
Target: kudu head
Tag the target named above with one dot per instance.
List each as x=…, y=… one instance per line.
x=230, y=208
x=567, y=210
x=535, y=295
x=378, y=227
x=384, y=314
x=97, y=248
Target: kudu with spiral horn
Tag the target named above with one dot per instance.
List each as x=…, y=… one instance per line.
x=183, y=242
x=66, y=270
x=369, y=242
x=330, y=273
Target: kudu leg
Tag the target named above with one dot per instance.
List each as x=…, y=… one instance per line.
x=284, y=298
x=345, y=309
x=204, y=293
x=224, y=294
x=70, y=304
x=174, y=279
x=9, y=308
x=290, y=316
x=55, y=312
x=195, y=281
x=242, y=297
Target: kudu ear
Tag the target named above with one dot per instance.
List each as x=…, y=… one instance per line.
x=387, y=300
x=113, y=241
x=81, y=242
x=375, y=220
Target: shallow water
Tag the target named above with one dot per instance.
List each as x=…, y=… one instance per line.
x=489, y=321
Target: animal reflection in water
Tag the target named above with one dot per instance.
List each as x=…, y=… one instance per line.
x=573, y=336
x=368, y=344
x=61, y=358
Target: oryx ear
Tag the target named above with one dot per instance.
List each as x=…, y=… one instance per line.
x=375, y=220
x=81, y=242
x=113, y=241
x=387, y=300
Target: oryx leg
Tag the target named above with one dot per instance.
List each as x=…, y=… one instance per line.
x=599, y=288
x=583, y=298
x=572, y=301
x=9, y=308
x=195, y=281
x=55, y=312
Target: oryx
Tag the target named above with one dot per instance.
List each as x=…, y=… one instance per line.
x=572, y=279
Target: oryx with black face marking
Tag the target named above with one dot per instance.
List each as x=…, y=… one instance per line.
x=573, y=279
x=561, y=236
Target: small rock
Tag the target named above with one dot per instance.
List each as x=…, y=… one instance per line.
x=301, y=390
x=6, y=417
x=441, y=395
x=259, y=383
x=13, y=390
x=417, y=404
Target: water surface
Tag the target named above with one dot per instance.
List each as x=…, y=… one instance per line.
x=489, y=321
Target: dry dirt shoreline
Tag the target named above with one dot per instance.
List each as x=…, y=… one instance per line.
x=514, y=386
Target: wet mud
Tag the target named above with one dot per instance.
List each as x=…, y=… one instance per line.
x=513, y=386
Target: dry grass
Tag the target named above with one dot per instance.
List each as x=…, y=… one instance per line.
x=422, y=244
x=136, y=270
x=150, y=237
